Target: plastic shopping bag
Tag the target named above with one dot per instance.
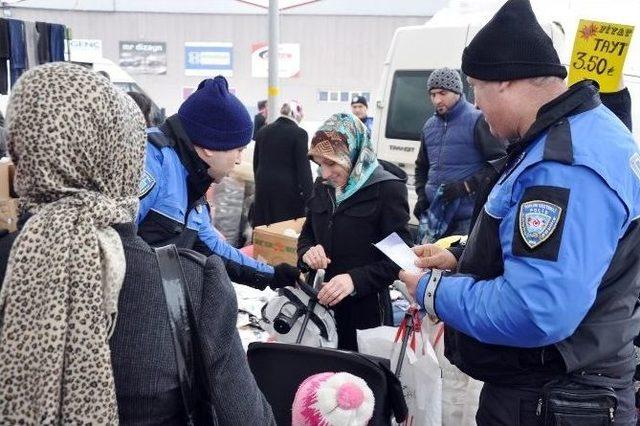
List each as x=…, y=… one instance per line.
x=420, y=376
x=460, y=393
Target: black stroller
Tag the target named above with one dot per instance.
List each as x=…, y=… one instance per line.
x=279, y=369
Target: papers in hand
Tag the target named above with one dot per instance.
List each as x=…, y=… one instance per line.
x=397, y=250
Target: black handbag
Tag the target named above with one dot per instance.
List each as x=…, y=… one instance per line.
x=186, y=341
x=565, y=402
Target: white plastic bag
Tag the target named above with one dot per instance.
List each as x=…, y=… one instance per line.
x=460, y=393
x=420, y=377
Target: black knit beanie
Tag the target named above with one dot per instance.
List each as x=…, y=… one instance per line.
x=512, y=46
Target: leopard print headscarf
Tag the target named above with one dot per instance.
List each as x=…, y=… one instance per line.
x=78, y=144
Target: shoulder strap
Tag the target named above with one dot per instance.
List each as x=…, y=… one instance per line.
x=558, y=146
x=180, y=318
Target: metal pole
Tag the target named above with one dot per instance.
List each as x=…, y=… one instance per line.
x=405, y=342
x=274, y=40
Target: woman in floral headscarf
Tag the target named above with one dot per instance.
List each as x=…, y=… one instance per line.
x=355, y=203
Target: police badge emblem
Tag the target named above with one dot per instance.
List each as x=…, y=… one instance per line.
x=146, y=184
x=538, y=220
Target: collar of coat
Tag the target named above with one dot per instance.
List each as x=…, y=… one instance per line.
x=580, y=97
x=367, y=192
x=198, y=180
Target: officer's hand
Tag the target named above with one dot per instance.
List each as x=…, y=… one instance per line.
x=411, y=280
x=420, y=207
x=452, y=191
x=335, y=290
x=434, y=256
x=284, y=275
x=316, y=258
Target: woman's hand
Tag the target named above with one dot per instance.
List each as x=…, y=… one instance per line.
x=316, y=258
x=431, y=256
x=335, y=290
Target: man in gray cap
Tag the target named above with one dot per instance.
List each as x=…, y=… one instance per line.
x=542, y=302
x=455, y=143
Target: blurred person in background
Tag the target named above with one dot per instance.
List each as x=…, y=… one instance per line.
x=359, y=108
x=281, y=168
x=260, y=119
x=144, y=103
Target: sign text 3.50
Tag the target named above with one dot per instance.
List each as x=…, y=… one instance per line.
x=592, y=63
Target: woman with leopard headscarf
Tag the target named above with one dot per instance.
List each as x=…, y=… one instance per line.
x=84, y=328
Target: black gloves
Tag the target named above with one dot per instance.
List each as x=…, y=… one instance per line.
x=454, y=190
x=284, y=275
x=420, y=207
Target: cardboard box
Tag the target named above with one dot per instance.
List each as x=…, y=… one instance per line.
x=9, y=214
x=272, y=246
x=6, y=179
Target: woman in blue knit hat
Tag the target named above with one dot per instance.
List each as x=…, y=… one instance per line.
x=192, y=149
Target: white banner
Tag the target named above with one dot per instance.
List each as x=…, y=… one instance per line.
x=208, y=59
x=289, y=60
x=85, y=50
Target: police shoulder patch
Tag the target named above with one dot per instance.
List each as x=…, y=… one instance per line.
x=146, y=184
x=538, y=220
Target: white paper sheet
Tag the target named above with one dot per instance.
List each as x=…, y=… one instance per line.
x=397, y=250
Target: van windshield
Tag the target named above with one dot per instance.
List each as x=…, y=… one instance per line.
x=409, y=106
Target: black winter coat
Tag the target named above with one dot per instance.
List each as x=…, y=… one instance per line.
x=142, y=353
x=347, y=234
x=282, y=172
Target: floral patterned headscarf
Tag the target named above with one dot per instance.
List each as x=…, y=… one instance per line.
x=345, y=140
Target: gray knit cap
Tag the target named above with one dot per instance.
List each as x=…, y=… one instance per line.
x=445, y=78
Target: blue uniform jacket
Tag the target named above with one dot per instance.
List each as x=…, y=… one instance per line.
x=539, y=301
x=163, y=189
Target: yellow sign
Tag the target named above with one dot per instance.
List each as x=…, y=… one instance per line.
x=599, y=51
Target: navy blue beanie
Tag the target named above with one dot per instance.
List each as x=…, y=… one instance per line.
x=215, y=119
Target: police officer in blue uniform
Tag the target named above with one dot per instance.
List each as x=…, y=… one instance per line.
x=542, y=303
x=359, y=108
x=192, y=149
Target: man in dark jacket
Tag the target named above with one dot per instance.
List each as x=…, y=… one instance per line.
x=260, y=119
x=544, y=305
x=281, y=168
x=193, y=149
x=455, y=144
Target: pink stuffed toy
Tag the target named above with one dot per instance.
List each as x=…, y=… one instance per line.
x=332, y=399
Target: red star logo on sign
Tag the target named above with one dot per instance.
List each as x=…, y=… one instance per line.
x=588, y=31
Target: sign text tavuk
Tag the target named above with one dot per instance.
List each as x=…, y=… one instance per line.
x=599, y=52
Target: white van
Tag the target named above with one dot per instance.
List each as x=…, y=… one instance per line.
x=119, y=77
x=403, y=106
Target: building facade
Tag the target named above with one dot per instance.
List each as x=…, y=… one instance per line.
x=337, y=48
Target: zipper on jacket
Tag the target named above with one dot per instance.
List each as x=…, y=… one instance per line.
x=333, y=208
x=444, y=134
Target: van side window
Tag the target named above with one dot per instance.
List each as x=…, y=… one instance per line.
x=409, y=106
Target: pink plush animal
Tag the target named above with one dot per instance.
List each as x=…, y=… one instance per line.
x=332, y=399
